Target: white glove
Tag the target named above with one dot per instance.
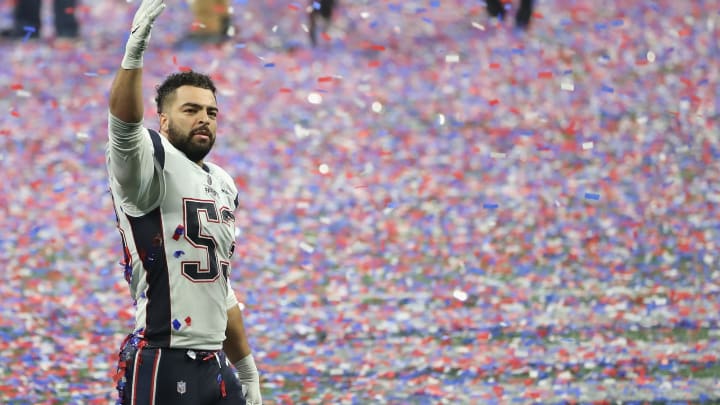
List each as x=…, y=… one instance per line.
x=249, y=377
x=140, y=33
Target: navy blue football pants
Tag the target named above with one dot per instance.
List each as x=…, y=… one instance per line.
x=161, y=376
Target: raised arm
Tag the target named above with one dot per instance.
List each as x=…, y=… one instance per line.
x=126, y=100
x=130, y=151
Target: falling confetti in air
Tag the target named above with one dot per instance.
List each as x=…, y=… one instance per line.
x=433, y=206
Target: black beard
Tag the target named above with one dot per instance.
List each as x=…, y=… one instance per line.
x=183, y=143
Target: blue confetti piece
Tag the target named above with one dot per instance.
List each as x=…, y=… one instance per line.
x=427, y=20
x=176, y=324
x=269, y=65
x=490, y=206
x=239, y=46
x=617, y=23
x=178, y=253
x=607, y=89
x=592, y=196
x=29, y=30
x=435, y=3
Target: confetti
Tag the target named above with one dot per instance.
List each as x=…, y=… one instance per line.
x=372, y=260
x=179, y=231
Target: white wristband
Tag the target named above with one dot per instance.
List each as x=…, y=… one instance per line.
x=134, y=49
x=247, y=371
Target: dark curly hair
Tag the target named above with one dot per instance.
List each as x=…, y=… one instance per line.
x=166, y=89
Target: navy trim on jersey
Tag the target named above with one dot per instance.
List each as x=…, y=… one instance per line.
x=147, y=232
x=159, y=150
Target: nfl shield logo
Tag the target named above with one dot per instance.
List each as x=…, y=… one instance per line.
x=181, y=387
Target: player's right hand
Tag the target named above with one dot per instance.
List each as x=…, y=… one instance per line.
x=145, y=17
x=142, y=24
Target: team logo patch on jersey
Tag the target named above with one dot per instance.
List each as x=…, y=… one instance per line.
x=211, y=191
x=181, y=387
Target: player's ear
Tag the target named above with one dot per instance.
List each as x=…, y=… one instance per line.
x=163, y=122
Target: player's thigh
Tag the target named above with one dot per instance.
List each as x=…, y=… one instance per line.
x=184, y=380
x=139, y=386
x=197, y=380
x=233, y=394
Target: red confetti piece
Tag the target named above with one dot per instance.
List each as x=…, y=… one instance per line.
x=325, y=79
x=545, y=75
x=374, y=63
x=494, y=65
x=285, y=90
x=178, y=232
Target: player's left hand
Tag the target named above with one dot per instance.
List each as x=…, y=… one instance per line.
x=249, y=377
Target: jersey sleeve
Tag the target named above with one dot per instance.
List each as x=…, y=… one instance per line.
x=231, y=299
x=133, y=165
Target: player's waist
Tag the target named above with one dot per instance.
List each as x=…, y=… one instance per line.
x=179, y=343
x=139, y=342
x=193, y=354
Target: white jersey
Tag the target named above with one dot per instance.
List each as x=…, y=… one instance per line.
x=178, y=230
